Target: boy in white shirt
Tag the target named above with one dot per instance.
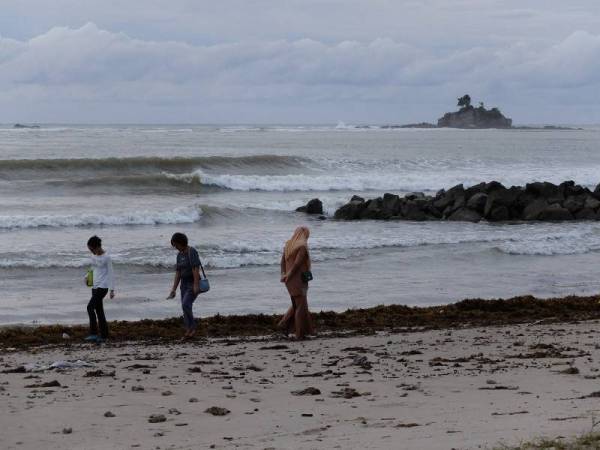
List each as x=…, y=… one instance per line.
x=103, y=281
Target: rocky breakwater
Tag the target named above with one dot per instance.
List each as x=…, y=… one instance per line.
x=541, y=201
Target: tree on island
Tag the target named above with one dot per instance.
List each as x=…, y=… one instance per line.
x=465, y=101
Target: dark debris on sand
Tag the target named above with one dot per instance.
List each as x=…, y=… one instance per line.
x=472, y=312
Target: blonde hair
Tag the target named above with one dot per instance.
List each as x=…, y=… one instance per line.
x=298, y=240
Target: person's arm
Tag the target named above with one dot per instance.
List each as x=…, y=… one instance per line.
x=282, y=265
x=111, y=276
x=196, y=275
x=300, y=257
x=195, y=263
x=175, y=284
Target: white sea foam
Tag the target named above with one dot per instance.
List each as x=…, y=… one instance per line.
x=342, y=126
x=391, y=177
x=303, y=182
x=176, y=216
x=341, y=240
x=288, y=173
x=546, y=240
x=243, y=204
x=238, y=129
x=261, y=250
x=550, y=246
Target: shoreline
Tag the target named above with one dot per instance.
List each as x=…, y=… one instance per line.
x=364, y=321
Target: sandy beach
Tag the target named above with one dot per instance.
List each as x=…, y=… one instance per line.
x=438, y=389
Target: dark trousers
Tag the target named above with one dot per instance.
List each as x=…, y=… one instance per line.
x=95, y=308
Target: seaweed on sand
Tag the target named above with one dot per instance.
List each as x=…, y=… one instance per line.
x=466, y=313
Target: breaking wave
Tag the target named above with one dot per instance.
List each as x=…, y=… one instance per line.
x=145, y=165
x=176, y=216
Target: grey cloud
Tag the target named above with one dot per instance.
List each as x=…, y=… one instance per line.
x=89, y=55
x=107, y=70
x=440, y=23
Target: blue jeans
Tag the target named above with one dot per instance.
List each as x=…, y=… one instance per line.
x=187, y=302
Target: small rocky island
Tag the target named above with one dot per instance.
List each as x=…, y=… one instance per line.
x=473, y=118
x=20, y=125
x=539, y=201
x=470, y=117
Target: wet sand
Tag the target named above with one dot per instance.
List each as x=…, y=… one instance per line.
x=460, y=388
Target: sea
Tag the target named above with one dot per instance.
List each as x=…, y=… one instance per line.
x=234, y=190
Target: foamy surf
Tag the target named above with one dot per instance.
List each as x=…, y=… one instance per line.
x=176, y=216
x=338, y=241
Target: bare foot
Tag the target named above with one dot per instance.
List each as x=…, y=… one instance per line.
x=283, y=331
x=185, y=337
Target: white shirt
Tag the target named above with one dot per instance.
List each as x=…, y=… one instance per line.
x=103, y=272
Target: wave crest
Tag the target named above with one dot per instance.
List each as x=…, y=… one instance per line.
x=150, y=164
x=176, y=216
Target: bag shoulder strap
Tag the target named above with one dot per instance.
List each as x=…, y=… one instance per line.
x=199, y=260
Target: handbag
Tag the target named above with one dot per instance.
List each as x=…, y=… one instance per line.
x=203, y=284
x=307, y=276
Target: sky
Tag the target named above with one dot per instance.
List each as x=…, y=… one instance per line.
x=289, y=61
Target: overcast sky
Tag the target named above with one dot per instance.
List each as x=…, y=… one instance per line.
x=306, y=61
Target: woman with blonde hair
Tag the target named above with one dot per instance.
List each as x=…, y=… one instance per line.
x=295, y=273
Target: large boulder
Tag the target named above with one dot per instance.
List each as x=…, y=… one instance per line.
x=374, y=210
x=459, y=202
x=434, y=212
x=591, y=202
x=414, y=195
x=476, y=189
x=477, y=202
x=314, y=206
x=392, y=204
x=522, y=202
x=549, y=191
x=587, y=214
x=574, y=203
x=569, y=189
x=493, y=186
x=533, y=210
x=351, y=210
x=415, y=210
x=555, y=213
x=447, y=198
x=465, y=215
x=502, y=197
x=499, y=213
